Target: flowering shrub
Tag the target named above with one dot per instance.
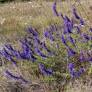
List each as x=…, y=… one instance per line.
x=62, y=54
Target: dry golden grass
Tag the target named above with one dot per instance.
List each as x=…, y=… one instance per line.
x=15, y=17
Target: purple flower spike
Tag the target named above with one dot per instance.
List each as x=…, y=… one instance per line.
x=13, y=52
x=9, y=47
x=45, y=47
x=82, y=21
x=74, y=73
x=81, y=70
x=71, y=66
x=86, y=36
x=7, y=56
x=71, y=69
x=89, y=59
x=11, y=75
x=54, y=9
x=67, y=19
x=68, y=25
x=33, y=58
x=33, y=31
x=75, y=14
x=78, y=73
x=15, y=77
x=63, y=40
x=71, y=52
x=44, y=70
x=78, y=17
x=40, y=53
x=71, y=40
x=46, y=34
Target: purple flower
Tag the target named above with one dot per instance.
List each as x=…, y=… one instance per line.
x=63, y=40
x=71, y=69
x=66, y=19
x=36, y=42
x=74, y=73
x=7, y=56
x=33, y=31
x=27, y=56
x=81, y=70
x=44, y=70
x=11, y=51
x=71, y=66
x=45, y=47
x=11, y=75
x=75, y=14
x=82, y=21
x=68, y=25
x=15, y=77
x=9, y=47
x=47, y=34
x=78, y=73
x=89, y=59
x=86, y=36
x=52, y=38
x=33, y=58
x=71, y=40
x=71, y=52
x=54, y=9
x=40, y=53
x=16, y=54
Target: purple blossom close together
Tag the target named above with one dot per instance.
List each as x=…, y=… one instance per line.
x=54, y=9
x=44, y=70
x=74, y=73
x=40, y=53
x=32, y=31
x=71, y=52
x=86, y=36
x=47, y=34
x=15, y=77
x=71, y=66
x=68, y=25
x=9, y=57
x=71, y=40
x=75, y=13
x=63, y=40
x=77, y=16
x=11, y=75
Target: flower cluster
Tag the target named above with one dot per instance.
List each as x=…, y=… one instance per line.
x=69, y=35
x=69, y=30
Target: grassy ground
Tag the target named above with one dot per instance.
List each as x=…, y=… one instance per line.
x=16, y=17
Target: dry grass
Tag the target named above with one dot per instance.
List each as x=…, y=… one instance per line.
x=15, y=17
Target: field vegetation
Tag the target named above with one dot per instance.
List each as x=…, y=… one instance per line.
x=15, y=19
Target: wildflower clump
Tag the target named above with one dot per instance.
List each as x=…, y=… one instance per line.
x=62, y=52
